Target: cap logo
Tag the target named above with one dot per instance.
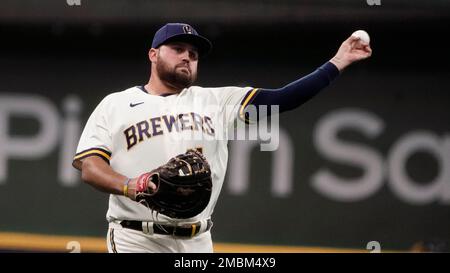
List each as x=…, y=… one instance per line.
x=187, y=29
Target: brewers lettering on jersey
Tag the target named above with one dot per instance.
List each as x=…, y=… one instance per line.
x=133, y=132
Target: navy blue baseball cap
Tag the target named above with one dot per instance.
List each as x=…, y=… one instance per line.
x=179, y=32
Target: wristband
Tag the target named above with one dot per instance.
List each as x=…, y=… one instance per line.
x=125, y=187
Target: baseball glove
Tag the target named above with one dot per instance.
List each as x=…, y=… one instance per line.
x=183, y=186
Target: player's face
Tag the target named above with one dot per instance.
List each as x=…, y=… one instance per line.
x=176, y=64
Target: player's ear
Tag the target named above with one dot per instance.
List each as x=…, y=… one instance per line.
x=152, y=54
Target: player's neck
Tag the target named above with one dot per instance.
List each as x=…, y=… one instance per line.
x=157, y=87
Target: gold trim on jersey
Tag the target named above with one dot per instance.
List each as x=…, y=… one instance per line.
x=111, y=239
x=104, y=154
x=246, y=101
x=194, y=227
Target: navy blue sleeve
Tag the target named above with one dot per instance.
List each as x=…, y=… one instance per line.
x=297, y=92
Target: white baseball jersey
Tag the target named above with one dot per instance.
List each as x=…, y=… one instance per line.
x=136, y=132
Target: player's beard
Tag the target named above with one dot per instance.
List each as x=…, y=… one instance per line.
x=173, y=76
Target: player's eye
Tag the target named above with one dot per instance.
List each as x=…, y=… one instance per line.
x=193, y=55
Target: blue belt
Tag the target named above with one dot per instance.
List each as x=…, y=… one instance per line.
x=185, y=230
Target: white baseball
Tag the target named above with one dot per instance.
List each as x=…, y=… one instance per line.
x=363, y=35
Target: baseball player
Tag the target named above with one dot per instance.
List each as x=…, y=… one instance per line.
x=139, y=129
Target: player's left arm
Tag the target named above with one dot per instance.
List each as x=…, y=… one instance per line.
x=350, y=51
x=300, y=91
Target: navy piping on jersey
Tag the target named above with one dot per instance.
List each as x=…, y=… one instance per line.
x=102, y=153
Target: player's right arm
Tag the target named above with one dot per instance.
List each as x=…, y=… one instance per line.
x=94, y=152
x=97, y=173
